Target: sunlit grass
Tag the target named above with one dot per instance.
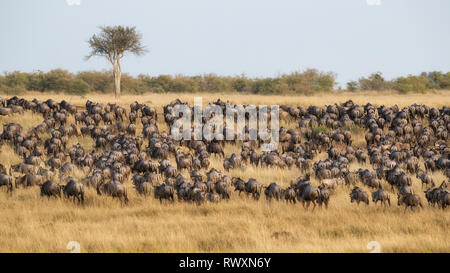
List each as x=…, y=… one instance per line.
x=29, y=223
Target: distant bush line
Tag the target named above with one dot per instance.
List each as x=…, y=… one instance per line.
x=422, y=83
x=307, y=82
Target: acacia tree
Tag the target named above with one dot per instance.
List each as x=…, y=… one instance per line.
x=113, y=42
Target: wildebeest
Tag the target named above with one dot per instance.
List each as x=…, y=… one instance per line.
x=143, y=187
x=359, y=195
x=289, y=195
x=29, y=180
x=212, y=197
x=6, y=180
x=253, y=187
x=432, y=196
x=409, y=200
x=324, y=196
x=164, y=192
x=216, y=148
x=306, y=193
x=444, y=199
x=330, y=184
x=50, y=188
x=74, y=189
x=222, y=189
x=239, y=184
x=273, y=191
x=114, y=189
x=426, y=179
x=382, y=196
x=199, y=197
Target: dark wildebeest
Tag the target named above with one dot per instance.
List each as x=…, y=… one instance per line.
x=405, y=189
x=444, y=199
x=164, y=192
x=222, y=189
x=239, y=184
x=324, y=196
x=50, y=188
x=142, y=187
x=29, y=180
x=75, y=189
x=6, y=180
x=432, y=196
x=382, y=196
x=213, y=197
x=359, y=195
x=114, y=189
x=216, y=148
x=199, y=197
x=289, y=195
x=273, y=191
x=254, y=188
x=307, y=194
x=23, y=168
x=409, y=200
x=426, y=179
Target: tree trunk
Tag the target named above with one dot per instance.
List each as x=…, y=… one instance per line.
x=117, y=75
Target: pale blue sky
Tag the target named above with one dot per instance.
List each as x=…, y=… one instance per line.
x=228, y=37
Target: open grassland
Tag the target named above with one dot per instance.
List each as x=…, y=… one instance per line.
x=29, y=223
x=435, y=99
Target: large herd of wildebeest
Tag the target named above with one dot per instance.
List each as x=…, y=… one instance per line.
x=400, y=144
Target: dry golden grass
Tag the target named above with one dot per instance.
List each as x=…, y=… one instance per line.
x=31, y=224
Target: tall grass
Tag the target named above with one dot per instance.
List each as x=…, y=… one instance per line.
x=29, y=223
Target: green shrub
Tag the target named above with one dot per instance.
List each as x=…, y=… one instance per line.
x=13, y=91
x=352, y=86
x=214, y=83
x=241, y=84
x=78, y=87
x=98, y=81
x=324, y=82
x=267, y=86
x=15, y=78
x=131, y=85
x=411, y=84
x=306, y=82
x=437, y=80
x=374, y=82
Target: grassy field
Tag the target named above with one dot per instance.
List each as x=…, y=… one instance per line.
x=31, y=224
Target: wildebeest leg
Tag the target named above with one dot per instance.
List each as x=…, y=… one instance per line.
x=314, y=203
x=307, y=205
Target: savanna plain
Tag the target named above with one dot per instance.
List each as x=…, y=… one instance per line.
x=30, y=223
